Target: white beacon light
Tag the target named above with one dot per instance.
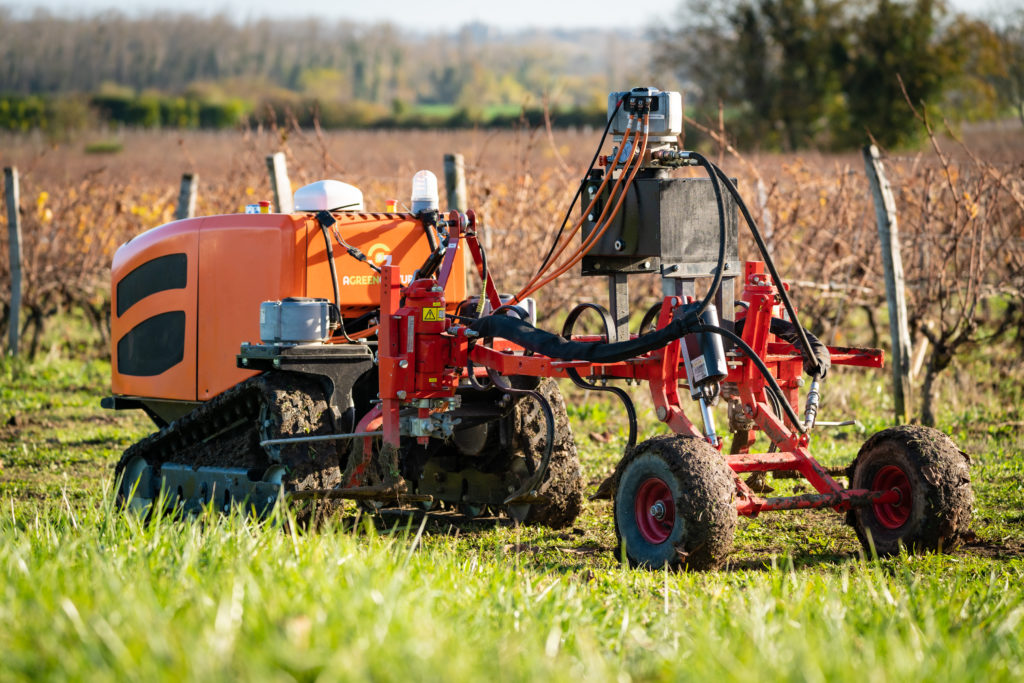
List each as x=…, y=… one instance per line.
x=424, y=192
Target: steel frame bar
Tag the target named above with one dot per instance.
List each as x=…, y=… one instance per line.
x=663, y=370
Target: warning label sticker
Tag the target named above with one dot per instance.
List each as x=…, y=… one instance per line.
x=433, y=315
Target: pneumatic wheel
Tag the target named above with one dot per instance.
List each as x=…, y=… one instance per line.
x=673, y=505
x=931, y=476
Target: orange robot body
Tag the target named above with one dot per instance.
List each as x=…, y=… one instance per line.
x=185, y=295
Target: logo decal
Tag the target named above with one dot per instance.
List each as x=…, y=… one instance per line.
x=379, y=254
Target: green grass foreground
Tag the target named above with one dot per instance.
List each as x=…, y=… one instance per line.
x=89, y=593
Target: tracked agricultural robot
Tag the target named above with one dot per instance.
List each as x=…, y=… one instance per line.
x=332, y=353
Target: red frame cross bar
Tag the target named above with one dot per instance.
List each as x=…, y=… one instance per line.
x=405, y=350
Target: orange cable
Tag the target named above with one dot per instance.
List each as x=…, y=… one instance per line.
x=598, y=232
x=581, y=250
x=564, y=241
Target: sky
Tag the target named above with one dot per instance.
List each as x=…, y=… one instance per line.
x=426, y=15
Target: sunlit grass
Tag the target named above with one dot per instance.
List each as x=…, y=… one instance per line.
x=90, y=593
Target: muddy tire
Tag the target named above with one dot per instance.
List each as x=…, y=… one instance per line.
x=933, y=478
x=563, y=484
x=673, y=505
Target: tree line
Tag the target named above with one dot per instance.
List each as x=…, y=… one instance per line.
x=179, y=70
x=829, y=73
x=783, y=74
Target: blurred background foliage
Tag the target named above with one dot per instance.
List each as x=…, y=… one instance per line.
x=779, y=74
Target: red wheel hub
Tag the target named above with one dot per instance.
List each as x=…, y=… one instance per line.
x=655, y=510
x=892, y=515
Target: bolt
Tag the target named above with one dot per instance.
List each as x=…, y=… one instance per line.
x=662, y=413
x=277, y=362
x=403, y=363
x=511, y=489
x=245, y=361
x=647, y=265
x=799, y=381
x=401, y=395
x=590, y=217
x=619, y=245
x=658, y=510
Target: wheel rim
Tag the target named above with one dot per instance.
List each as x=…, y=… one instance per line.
x=655, y=510
x=892, y=515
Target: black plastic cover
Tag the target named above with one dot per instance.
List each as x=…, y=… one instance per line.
x=157, y=275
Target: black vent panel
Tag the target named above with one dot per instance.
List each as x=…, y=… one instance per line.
x=153, y=346
x=157, y=275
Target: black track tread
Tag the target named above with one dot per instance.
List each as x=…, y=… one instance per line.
x=705, y=500
x=298, y=405
x=563, y=483
x=940, y=476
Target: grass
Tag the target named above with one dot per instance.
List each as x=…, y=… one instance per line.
x=90, y=593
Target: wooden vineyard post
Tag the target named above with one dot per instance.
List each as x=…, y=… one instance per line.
x=455, y=181
x=277, y=166
x=12, y=194
x=895, y=295
x=455, y=189
x=187, y=197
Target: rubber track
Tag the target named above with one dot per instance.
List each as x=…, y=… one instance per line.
x=224, y=431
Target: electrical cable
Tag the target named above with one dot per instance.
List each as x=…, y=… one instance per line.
x=334, y=276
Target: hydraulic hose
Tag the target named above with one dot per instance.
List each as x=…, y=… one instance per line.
x=749, y=353
x=806, y=350
x=716, y=283
x=555, y=346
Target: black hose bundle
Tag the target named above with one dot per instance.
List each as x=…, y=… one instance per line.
x=556, y=346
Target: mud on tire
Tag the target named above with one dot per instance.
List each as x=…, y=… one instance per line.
x=226, y=432
x=563, y=484
x=933, y=477
x=673, y=505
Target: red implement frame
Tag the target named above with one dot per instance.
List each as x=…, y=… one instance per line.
x=403, y=351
